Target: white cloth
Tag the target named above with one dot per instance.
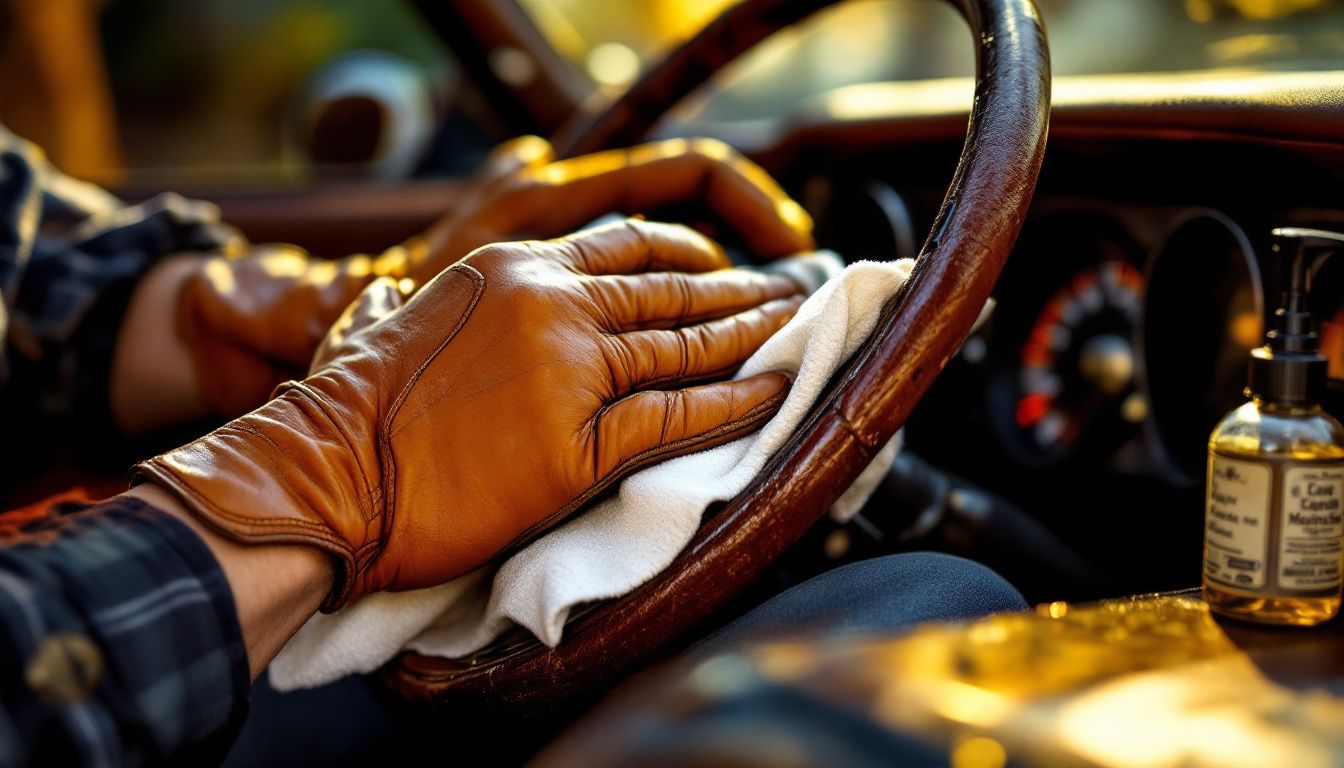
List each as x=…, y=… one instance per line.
x=621, y=542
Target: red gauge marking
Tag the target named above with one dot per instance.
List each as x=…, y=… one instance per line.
x=1031, y=409
x=1084, y=281
x=1050, y=315
x=1132, y=279
x=1036, y=356
x=1058, y=417
x=1041, y=335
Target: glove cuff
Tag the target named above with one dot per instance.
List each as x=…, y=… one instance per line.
x=283, y=474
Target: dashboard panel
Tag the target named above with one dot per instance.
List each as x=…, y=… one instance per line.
x=1121, y=330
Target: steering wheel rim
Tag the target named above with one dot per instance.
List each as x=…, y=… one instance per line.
x=869, y=399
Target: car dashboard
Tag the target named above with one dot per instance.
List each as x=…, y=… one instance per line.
x=1142, y=278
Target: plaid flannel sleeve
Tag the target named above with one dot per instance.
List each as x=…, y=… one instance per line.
x=71, y=255
x=119, y=641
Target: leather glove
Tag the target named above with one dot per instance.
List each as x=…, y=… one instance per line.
x=498, y=400
x=253, y=322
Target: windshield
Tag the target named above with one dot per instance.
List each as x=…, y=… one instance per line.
x=881, y=40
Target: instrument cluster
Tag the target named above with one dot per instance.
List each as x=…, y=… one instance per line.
x=1062, y=358
x=1122, y=340
x=1120, y=334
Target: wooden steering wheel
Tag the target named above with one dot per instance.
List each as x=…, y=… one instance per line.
x=868, y=399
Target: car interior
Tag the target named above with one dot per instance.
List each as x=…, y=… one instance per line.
x=1113, y=197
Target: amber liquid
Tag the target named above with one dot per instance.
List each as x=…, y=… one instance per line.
x=1276, y=435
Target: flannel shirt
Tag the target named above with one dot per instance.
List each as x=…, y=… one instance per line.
x=120, y=642
x=70, y=255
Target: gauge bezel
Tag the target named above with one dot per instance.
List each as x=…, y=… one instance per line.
x=1171, y=405
x=1052, y=251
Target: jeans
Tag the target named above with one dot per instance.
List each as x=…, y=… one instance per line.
x=345, y=724
x=888, y=594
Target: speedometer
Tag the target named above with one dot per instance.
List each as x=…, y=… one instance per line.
x=1077, y=362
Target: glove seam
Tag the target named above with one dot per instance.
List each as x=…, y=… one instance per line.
x=479, y=284
x=280, y=472
x=653, y=384
x=355, y=557
x=302, y=389
x=282, y=531
x=388, y=457
x=746, y=420
x=698, y=318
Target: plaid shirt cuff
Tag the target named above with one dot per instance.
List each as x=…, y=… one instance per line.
x=120, y=640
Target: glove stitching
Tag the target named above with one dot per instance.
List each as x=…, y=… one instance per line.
x=242, y=521
x=302, y=389
x=741, y=424
x=280, y=471
x=389, y=459
x=283, y=531
x=353, y=558
x=653, y=384
x=478, y=281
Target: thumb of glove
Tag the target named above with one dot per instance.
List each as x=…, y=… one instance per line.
x=379, y=299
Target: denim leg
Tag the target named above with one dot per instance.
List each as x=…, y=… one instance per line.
x=764, y=721
x=344, y=724
x=886, y=594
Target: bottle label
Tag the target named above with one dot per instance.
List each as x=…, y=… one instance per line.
x=1236, y=517
x=1311, y=533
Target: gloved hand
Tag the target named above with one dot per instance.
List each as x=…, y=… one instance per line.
x=435, y=436
x=253, y=322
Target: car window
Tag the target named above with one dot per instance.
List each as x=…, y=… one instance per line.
x=878, y=40
x=184, y=93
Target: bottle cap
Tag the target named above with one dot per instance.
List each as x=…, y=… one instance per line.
x=1290, y=368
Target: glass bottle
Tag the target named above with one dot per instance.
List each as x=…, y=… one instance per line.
x=1269, y=458
x=1274, y=503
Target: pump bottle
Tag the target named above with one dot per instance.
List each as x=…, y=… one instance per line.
x=1274, y=511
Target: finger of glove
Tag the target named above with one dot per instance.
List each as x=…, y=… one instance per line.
x=656, y=425
x=513, y=156
x=649, y=359
x=468, y=226
x=634, y=246
x=378, y=300
x=277, y=301
x=673, y=299
x=565, y=195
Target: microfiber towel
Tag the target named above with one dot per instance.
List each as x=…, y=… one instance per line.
x=622, y=541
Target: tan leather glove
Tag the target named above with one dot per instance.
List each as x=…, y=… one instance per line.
x=508, y=392
x=253, y=322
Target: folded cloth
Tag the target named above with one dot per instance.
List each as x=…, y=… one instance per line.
x=621, y=542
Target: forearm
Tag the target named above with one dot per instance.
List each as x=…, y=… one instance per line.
x=212, y=336
x=276, y=587
x=153, y=383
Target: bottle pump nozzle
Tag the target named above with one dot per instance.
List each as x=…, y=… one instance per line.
x=1290, y=367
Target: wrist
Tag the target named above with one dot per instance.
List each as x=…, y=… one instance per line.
x=276, y=587
x=283, y=474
